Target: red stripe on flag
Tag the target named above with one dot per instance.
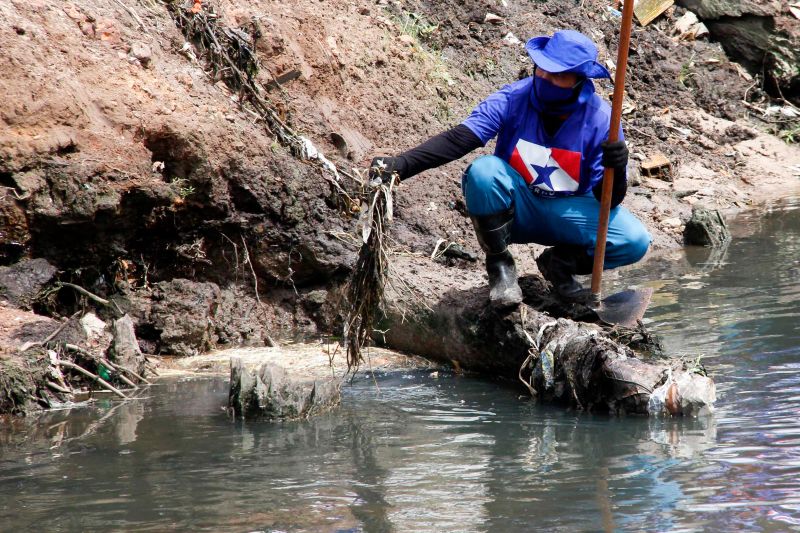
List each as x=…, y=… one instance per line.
x=519, y=165
x=570, y=162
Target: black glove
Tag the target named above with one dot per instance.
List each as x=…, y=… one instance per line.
x=618, y=191
x=615, y=155
x=383, y=167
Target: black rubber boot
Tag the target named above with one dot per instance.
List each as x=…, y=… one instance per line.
x=560, y=264
x=494, y=235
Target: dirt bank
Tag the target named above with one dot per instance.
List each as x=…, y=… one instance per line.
x=132, y=169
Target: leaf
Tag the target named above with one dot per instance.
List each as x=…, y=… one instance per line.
x=366, y=222
x=387, y=192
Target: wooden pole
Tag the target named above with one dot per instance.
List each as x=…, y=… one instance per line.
x=613, y=135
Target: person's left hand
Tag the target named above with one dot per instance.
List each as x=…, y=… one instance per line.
x=384, y=168
x=615, y=154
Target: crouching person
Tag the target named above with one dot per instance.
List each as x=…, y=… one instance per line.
x=543, y=183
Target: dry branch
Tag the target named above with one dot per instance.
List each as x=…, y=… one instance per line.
x=58, y=388
x=103, y=383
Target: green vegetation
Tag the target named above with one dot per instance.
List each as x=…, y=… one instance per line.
x=182, y=187
x=791, y=136
x=687, y=73
x=415, y=25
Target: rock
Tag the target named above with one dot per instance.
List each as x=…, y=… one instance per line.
x=182, y=312
x=689, y=27
x=756, y=33
x=685, y=24
x=673, y=222
x=706, y=227
x=142, y=52
x=491, y=18
x=21, y=283
x=18, y=328
x=272, y=394
x=125, y=348
x=97, y=336
x=107, y=30
x=634, y=174
x=235, y=322
x=92, y=326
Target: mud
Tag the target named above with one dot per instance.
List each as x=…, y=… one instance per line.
x=22, y=283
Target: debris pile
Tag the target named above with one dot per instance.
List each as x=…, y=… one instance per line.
x=47, y=362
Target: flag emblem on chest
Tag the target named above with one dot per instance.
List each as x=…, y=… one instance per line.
x=551, y=170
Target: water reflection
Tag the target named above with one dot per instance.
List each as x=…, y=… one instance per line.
x=448, y=453
x=426, y=454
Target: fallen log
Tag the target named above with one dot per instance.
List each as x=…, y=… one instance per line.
x=558, y=359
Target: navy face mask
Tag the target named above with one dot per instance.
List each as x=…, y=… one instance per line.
x=554, y=99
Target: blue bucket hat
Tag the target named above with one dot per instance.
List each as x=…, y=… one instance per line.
x=566, y=51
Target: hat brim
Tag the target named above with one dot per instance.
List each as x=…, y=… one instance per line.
x=590, y=69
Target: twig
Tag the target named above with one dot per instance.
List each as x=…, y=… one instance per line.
x=152, y=367
x=249, y=263
x=132, y=13
x=236, y=256
x=86, y=293
x=126, y=370
x=58, y=388
x=92, y=296
x=16, y=194
x=122, y=378
x=531, y=356
x=28, y=345
x=95, y=377
x=77, y=349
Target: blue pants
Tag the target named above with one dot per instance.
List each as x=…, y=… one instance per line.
x=491, y=185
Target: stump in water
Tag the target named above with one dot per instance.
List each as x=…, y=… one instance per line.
x=272, y=394
x=559, y=360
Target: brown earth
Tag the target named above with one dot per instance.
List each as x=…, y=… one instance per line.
x=136, y=174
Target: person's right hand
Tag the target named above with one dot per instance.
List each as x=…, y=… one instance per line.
x=384, y=167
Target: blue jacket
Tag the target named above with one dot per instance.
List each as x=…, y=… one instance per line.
x=569, y=162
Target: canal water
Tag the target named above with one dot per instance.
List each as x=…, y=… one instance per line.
x=438, y=452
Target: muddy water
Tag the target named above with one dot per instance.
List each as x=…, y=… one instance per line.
x=445, y=453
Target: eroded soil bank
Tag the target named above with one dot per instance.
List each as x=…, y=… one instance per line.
x=129, y=166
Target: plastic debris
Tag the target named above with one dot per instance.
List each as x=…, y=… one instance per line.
x=688, y=394
x=511, y=39
x=786, y=111
x=309, y=151
x=547, y=360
